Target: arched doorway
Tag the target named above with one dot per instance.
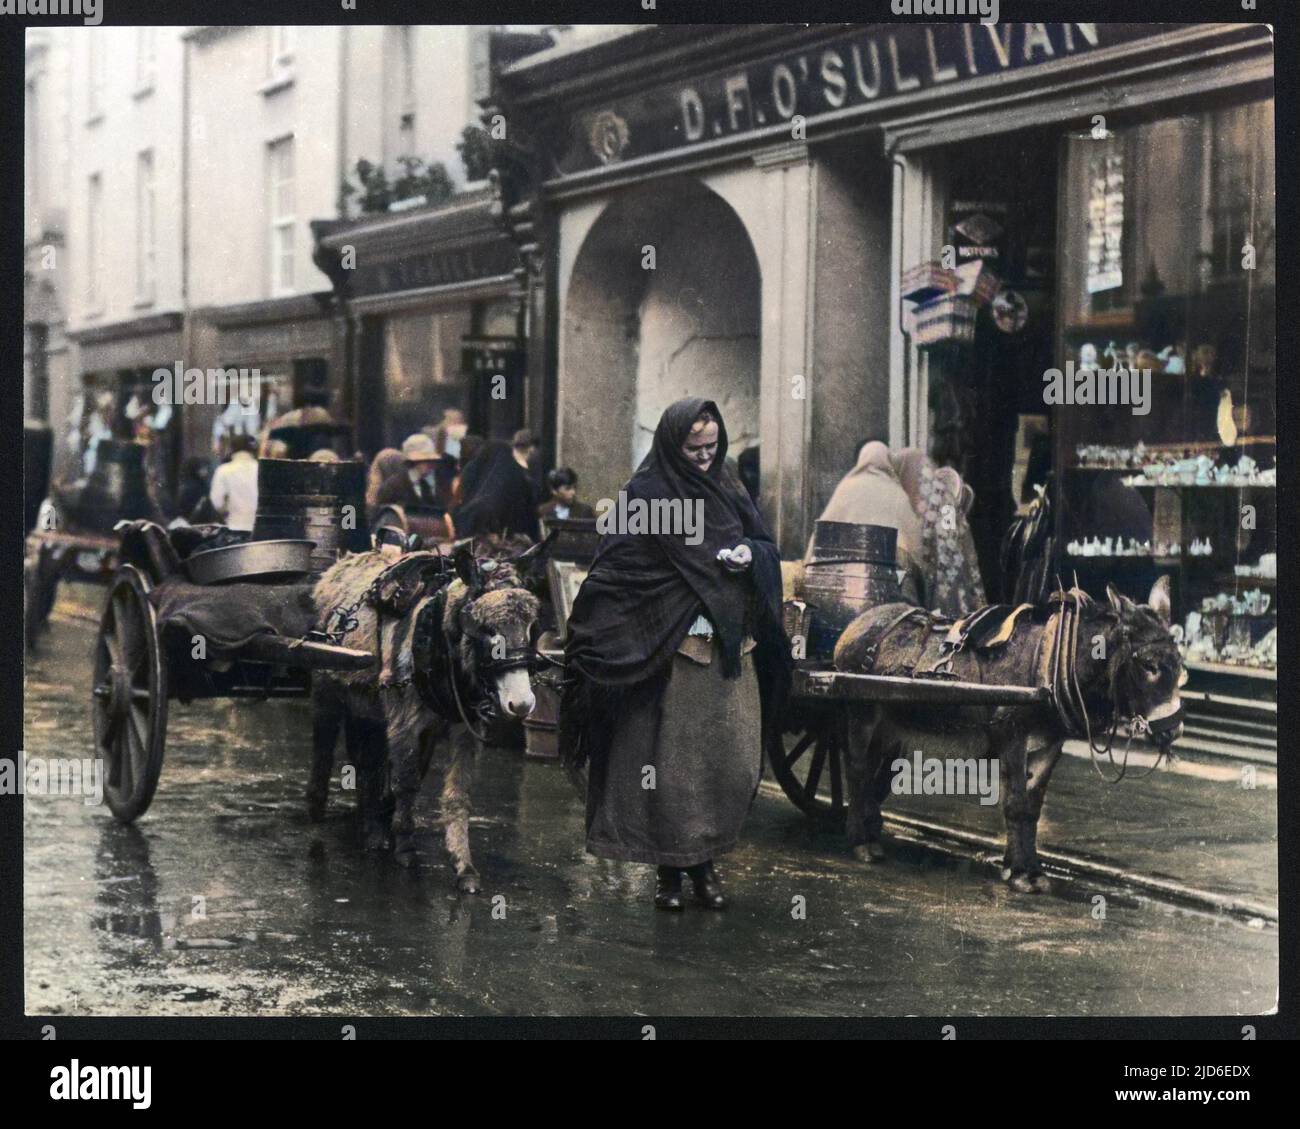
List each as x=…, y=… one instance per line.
x=663, y=301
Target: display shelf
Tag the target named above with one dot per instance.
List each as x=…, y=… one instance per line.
x=1268, y=674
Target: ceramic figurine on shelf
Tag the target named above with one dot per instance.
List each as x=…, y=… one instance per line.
x=1226, y=425
x=1087, y=357
x=1204, y=467
x=1204, y=358
x=1174, y=361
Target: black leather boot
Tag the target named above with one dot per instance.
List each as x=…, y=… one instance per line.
x=708, y=889
x=668, y=888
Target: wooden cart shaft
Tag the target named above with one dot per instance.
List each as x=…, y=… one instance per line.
x=843, y=686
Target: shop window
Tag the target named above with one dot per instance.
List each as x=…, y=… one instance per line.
x=1168, y=272
x=422, y=370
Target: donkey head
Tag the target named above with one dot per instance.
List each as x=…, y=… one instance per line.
x=491, y=619
x=1141, y=671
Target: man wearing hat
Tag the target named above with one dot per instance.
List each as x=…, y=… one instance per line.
x=414, y=484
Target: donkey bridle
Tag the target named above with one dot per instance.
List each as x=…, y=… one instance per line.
x=1067, y=695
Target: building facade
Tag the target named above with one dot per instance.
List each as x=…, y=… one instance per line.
x=899, y=232
x=177, y=173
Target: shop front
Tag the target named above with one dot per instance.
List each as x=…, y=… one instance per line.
x=428, y=320
x=114, y=399
x=288, y=343
x=898, y=232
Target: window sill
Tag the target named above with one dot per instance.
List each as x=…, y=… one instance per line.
x=275, y=84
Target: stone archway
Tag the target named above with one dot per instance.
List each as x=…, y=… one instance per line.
x=636, y=337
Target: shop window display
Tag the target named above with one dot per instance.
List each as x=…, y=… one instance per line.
x=1168, y=269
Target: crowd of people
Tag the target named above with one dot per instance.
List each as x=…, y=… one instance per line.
x=471, y=485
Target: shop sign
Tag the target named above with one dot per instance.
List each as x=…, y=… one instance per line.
x=419, y=270
x=862, y=67
x=492, y=356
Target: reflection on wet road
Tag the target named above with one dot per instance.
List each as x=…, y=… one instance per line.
x=225, y=900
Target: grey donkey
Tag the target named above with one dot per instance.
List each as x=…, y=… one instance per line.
x=1120, y=664
x=459, y=652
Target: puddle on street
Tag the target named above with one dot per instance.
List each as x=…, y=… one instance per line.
x=225, y=899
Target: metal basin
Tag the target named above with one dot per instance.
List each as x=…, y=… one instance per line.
x=253, y=560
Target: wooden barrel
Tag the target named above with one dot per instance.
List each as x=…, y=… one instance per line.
x=851, y=568
x=322, y=502
x=116, y=490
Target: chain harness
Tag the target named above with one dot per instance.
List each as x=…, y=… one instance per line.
x=434, y=670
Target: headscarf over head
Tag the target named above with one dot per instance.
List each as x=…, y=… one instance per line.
x=644, y=590
x=498, y=495
x=871, y=494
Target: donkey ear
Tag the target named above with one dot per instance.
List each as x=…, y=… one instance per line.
x=1117, y=602
x=1159, y=599
x=467, y=567
x=533, y=552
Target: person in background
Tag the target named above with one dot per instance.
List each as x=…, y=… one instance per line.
x=564, y=503
x=499, y=496
x=447, y=439
x=942, y=502
x=413, y=485
x=525, y=448
x=386, y=464
x=192, y=502
x=470, y=446
x=234, y=485
x=871, y=494
x=324, y=455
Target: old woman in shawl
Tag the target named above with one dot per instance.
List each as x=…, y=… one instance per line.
x=674, y=651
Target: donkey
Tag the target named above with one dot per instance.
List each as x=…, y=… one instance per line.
x=1103, y=665
x=450, y=650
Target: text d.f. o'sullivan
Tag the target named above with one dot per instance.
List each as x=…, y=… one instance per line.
x=872, y=66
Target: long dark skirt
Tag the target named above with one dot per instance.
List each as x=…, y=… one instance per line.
x=703, y=740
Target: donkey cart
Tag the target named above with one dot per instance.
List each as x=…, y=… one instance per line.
x=808, y=751
x=144, y=658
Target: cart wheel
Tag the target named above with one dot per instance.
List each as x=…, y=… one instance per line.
x=129, y=699
x=808, y=761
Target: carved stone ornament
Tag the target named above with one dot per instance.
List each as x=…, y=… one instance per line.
x=607, y=136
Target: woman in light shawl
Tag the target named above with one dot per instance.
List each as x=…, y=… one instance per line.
x=870, y=494
x=947, y=549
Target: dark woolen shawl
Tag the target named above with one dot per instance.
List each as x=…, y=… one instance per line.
x=498, y=495
x=644, y=590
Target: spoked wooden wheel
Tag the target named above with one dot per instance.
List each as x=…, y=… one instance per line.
x=129, y=696
x=809, y=760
